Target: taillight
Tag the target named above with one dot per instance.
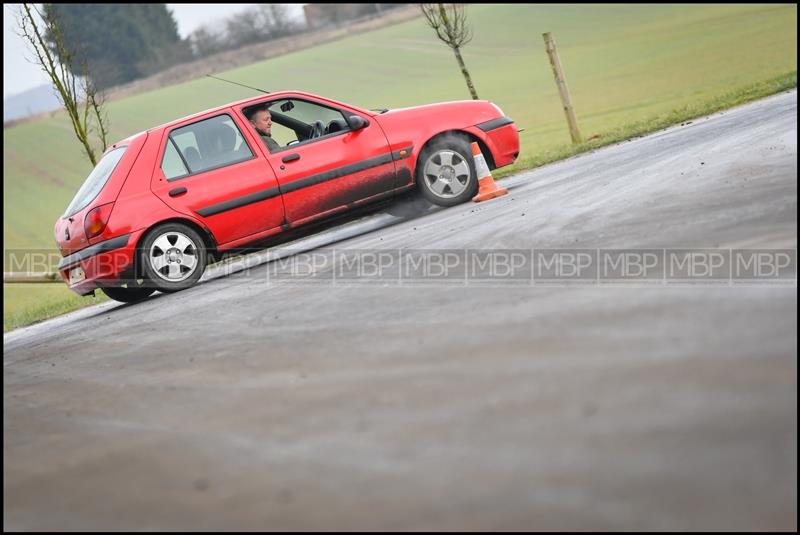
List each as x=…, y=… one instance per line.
x=95, y=222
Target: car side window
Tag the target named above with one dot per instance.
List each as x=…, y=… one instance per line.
x=299, y=121
x=204, y=145
x=173, y=165
x=282, y=134
x=309, y=112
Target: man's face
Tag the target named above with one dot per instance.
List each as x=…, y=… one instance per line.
x=262, y=122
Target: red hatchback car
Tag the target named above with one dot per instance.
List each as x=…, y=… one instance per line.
x=161, y=203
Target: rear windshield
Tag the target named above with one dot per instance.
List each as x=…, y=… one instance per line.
x=95, y=181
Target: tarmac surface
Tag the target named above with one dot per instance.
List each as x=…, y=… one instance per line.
x=258, y=400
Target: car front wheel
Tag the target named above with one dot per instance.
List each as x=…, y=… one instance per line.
x=173, y=257
x=446, y=172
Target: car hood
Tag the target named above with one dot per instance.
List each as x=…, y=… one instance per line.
x=464, y=112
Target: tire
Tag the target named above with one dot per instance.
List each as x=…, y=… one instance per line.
x=173, y=257
x=129, y=294
x=446, y=171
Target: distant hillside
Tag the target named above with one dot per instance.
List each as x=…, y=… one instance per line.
x=37, y=100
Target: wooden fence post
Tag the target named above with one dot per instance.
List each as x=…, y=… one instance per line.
x=561, y=82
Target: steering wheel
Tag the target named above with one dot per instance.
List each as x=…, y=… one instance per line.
x=317, y=129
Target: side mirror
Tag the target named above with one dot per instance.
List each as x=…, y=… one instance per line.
x=356, y=122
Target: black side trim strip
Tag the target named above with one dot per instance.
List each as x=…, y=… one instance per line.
x=495, y=123
x=96, y=249
x=306, y=182
x=239, y=202
x=345, y=170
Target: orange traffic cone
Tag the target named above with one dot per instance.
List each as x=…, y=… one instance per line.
x=487, y=188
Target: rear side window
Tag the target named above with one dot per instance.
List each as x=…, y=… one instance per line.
x=173, y=165
x=95, y=181
x=202, y=146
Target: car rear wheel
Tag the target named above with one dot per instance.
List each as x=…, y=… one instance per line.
x=129, y=293
x=173, y=257
x=446, y=172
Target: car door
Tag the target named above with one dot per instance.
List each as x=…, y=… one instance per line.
x=327, y=173
x=208, y=171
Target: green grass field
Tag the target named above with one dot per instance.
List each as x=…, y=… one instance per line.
x=627, y=66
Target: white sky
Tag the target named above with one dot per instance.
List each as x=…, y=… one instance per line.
x=19, y=75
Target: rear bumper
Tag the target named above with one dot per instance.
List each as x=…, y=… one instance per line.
x=501, y=138
x=103, y=263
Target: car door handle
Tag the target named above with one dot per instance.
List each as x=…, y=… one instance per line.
x=290, y=158
x=177, y=191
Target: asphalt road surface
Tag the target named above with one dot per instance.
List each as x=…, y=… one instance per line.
x=254, y=403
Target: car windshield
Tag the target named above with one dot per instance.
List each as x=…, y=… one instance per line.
x=95, y=181
x=306, y=112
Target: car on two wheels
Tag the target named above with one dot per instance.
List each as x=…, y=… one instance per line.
x=161, y=204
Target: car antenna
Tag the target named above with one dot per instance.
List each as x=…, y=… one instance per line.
x=237, y=83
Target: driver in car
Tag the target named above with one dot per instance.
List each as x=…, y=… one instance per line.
x=261, y=120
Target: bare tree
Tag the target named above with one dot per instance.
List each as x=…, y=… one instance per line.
x=260, y=23
x=245, y=28
x=80, y=97
x=450, y=23
x=206, y=41
x=280, y=22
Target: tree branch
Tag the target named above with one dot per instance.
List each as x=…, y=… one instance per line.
x=81, y=113
x=450, y=25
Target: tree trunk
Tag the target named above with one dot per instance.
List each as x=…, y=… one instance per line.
x=465, y=72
